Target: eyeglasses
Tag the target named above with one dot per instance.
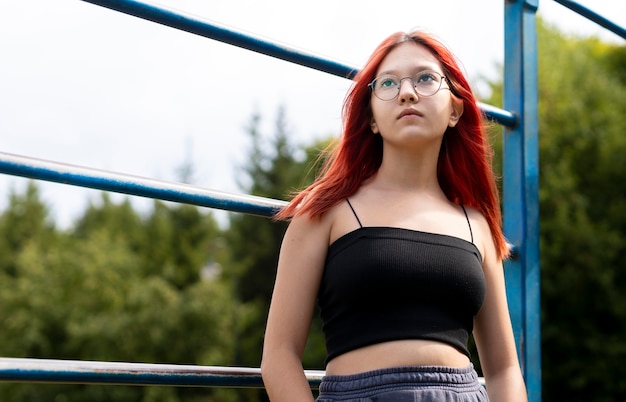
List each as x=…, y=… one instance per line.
x=387, y=87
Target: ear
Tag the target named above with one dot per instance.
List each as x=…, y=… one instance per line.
x=457, y=111
x=374, y=127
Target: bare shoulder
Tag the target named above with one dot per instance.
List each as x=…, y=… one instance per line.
x=482, y=234
x=301, y=260
x=305, y=229
x=342, y=220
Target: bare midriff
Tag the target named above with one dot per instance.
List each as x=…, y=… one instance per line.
x=395, y=354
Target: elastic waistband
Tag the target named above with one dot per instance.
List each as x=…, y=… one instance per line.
x=462, y=379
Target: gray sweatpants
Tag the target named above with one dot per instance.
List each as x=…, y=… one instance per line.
x=405, y=384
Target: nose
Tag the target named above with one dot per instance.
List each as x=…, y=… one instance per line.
x=407, y=91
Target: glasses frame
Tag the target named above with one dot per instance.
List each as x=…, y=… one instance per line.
x=413, y=78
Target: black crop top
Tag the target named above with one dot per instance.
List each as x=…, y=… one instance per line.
x=383, y=284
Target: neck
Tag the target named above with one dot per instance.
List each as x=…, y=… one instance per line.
x=408, y=170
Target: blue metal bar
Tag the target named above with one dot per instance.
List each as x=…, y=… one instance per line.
x=94, y=372
x=521, y=186
x=593, y=16
x=127, y=184
x=192, y=24
x=504, y=117
x=122, y=373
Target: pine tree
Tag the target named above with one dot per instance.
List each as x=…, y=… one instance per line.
x=275, y=168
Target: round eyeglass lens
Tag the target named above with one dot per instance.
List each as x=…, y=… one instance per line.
x=427, y=83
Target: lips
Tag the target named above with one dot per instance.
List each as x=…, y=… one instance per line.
x=409, y=112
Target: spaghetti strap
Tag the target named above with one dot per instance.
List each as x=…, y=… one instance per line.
x=468, y=223
x=354, y=212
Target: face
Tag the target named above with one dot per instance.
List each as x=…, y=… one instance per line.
x=409, y=115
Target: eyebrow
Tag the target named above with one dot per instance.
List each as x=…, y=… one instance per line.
x=417, y=70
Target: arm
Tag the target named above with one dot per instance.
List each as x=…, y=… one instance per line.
x=300, y=268
x=494, y=334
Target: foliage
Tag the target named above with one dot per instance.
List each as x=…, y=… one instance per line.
x=275, y=168
x=582, y=121
x=26, y=220
x=98, y=293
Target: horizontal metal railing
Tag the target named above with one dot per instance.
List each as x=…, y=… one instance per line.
x=192, y=24
x=121, y=373
x=58, y=172
x=593, y=16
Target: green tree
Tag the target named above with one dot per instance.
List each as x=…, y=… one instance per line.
x=174, y=241
x=89, y=296
x=182, y=240
x=582, y=120
x=275, y=167
x=26, y=220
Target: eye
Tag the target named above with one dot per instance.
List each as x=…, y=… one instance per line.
x=427, y=77
x=387, y=81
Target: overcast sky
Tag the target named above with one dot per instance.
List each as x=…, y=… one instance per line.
x=85, y=85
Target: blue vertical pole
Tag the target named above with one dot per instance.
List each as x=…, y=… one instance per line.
x=521, y=186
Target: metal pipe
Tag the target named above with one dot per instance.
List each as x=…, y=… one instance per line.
x=498, y=115
x=121, y=373
x=135, y=185
x=192, y=24
x=520, y=193
x=593, y=16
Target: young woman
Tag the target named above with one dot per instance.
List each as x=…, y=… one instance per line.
x=400, y=244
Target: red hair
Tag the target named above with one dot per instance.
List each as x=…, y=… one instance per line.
x=464, y=168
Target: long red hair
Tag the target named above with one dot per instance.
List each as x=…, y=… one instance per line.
x=464, y=168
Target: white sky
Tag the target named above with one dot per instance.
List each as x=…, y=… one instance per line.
x=85, y=85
